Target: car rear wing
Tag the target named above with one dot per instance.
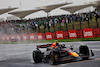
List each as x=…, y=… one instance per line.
x=44, y=46
x=48, y=45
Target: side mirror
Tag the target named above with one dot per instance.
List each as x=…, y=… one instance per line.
x=37, y=48
x=63, y=46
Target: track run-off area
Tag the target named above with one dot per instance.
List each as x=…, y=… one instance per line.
x=20, y=55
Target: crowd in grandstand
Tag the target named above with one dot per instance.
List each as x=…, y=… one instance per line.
x=16, y=26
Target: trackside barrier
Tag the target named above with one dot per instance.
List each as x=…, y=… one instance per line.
x=7, y=38
x=79, y=33
x=36, y=36
x=59, y=35
x=65, y=34
x=99, y=33
x=44, y=36
x=3, y=38
x=40, y=36
x=54, y=35
x=0, y=38
x=32, y=36
x=25, y=37
x=70, y=34
x=12, y=37
x=49, y=36
x=19, y=37
x=88, y=33
x=96, y=32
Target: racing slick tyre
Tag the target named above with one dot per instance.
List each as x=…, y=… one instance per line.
x=83, y=49
x=37, y=56
x=53, y=58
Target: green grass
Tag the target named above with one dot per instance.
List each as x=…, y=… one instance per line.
x=48, y=41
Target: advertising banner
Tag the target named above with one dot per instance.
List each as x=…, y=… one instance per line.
x=13, y=37
x=40, y=37
x=72, y=34
x=7, y=37
x=32, y=37
x=25, y=37
x=59, y=35
x=88, y=33
x=48, y=35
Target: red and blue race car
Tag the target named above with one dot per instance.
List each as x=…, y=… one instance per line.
x=56, y=55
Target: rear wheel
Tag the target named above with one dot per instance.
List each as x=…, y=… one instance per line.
x=37, y=56
x=84, y=50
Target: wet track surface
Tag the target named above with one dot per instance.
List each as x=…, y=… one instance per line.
x=20, y=55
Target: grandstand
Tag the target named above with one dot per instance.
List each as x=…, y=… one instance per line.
x=50, y=23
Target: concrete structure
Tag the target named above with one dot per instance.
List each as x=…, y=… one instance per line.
x=73, y=9
x=2, y=11
x=49, y=8
x=22, y=14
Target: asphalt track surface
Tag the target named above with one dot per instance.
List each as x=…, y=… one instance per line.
x=20, y=55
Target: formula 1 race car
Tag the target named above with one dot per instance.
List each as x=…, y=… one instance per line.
x=14, y=40
x=57, y=55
